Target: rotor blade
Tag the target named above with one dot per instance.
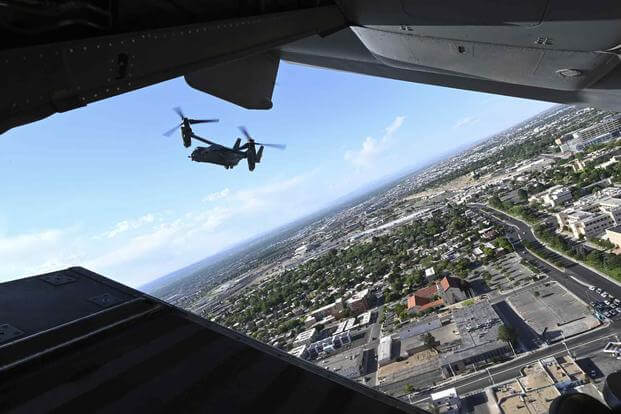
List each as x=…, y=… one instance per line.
x=245, y=132
x=206, y=141
x=170, y=132
x=279, y=146
x=202, y=121
x=179, y=111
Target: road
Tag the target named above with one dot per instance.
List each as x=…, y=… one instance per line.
x=581, y=345
x=576, y=277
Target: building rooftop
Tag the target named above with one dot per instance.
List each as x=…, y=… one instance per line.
x=448, y=282
x=426, y=325
x=346, y=363
x=298, y=351
x=510, y=399
x=358, y=295
x=478, y=328
x=535, y=376
x=423, y=296
x=306, y=335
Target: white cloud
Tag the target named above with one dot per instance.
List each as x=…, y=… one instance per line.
x=137, y=250
x=140, y=249
x=126, y=225
x=394, y=126
x=217, y=195
x=468, y=120
x=38, y=252
x=371, y=147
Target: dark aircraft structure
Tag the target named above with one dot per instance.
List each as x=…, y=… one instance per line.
x=59, y=55
x=230, y=157
x=74, y=341
x=218, y=154
x=186, y=126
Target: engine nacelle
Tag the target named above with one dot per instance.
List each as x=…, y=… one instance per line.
x=186, y=135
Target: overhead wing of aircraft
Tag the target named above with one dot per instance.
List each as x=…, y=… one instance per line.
x=57, y=56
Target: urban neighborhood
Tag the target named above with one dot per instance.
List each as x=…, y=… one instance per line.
x=489, y=282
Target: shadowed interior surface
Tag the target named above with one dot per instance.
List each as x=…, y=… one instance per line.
x=80, y=342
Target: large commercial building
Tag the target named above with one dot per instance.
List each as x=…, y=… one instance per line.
x=584, y=223
x=553, y=196
x=608, y=129
x=478, y=329
x=593, y=218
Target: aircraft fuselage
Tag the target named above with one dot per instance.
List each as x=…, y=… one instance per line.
x=217, y=154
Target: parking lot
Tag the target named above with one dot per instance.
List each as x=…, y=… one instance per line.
x=552, y=312
x=507, y=273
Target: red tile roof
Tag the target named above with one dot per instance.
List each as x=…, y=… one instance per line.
x=434, y=304
x=422, y=296
x=449, y=282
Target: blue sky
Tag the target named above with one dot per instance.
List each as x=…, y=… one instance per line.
x=101, y=187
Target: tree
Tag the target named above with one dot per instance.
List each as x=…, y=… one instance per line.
x=429, y=340
x=404, y=315
x=408, y=388
x=522, y=194
x=495, y=202
x=506, y=333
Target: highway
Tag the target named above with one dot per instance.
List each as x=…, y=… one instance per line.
x=581, y=345
x=573, y=271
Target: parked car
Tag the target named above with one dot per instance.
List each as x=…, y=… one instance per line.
x=598, y=290
x=592, y=288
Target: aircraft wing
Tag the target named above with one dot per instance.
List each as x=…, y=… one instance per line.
x=56, y=58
